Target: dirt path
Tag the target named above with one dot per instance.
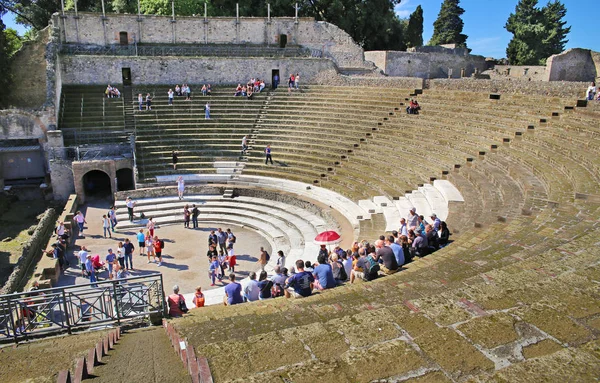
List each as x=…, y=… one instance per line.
x=142, y=356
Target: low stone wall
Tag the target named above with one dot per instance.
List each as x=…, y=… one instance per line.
x=334, y=79
x=561, y=89
x=31, y=252
x=166, y=191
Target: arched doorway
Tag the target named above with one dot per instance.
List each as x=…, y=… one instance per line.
x=125, y=179
x=96, y=183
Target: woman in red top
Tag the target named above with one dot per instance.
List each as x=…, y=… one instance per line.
x=174, y=303
x=231, y=259
x=158, y=249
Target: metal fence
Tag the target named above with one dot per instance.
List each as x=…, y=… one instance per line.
x=43, y=312
x=196, y=50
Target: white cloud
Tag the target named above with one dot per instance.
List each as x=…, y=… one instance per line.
x=405, y=8
x=487, y=46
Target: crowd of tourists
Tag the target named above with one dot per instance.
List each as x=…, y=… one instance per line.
x=112, y=92
x=251, y=87
x=415, y=237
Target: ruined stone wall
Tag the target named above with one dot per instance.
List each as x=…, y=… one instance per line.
x=90, y=28
x=108, y=166
x=15, y=123
x=426, y=65
x=561, y=89
x=572, y=65
x=174, y=70
x=333, y=78
x=518, y=72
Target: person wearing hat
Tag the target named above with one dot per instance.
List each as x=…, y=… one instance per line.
x=110, y=261
x=436, y=222
x=413, y=218
x=89, y=266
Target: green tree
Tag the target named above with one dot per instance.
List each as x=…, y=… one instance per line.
x=447, y=29
x=5, y=79
x=537, y=33
x=414, y=30
x=13, y=41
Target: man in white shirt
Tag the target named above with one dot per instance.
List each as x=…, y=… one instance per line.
x=413, y=218
x=130, y=204
x=250, y=289
x=244, y=145
x=403, y=229
x=82, y=259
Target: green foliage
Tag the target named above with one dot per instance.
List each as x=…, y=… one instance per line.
x=5, y=79
x=414, y=30
x=537, y=33
x=13, y=41
x=447, y=29
x=33, y=13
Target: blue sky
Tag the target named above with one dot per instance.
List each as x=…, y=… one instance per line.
x=484, y=22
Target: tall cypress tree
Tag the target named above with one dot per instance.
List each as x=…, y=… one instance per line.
x=447, y=29
x=414, y=31
x=537, y=33
x=5, y=79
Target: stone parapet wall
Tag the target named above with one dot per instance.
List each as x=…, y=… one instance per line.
x=334, y=79
x=573, y=65
x=91, y=28
x=32, y=252
x=193, y=70
x=561, y=89
x=16, y=123
x=517, y=72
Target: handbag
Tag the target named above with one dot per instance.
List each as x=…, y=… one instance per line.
x=182, y=305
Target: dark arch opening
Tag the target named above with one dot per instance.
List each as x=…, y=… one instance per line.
x=96, y=183
x=125, y=179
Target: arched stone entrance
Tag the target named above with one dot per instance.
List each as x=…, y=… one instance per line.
x=96, y=183
x=125, y=179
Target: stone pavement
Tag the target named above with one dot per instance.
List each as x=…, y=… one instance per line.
x=184, y=255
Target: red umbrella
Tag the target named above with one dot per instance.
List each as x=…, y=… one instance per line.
x=327, y=238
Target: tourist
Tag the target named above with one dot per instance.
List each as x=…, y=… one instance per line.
x=278, y=282
x=140, y=101
x=264, y=286
x=263, y=258
x=112, y=216
x=280, y=259
x=222, y=240
x=338, y=270
x=268, y=155
x=231, y=259
x=61, y=231
x=250, y=93
x=188, y=93
x=170, y=95
x=403, y=230
x=208, y=90
x=275, y=81
x=391, y=242
x=198, y=298
x=444, y=234
x=180, y=187
x=231, y=238
x=57, y=254
x=261, y=86
x=176, y=303
x=82, y=255
x=222, y=258
x=195, y=213
x=150, y=226
x=150, y=247
x=244, y=145
x=207, y=111
x=130, y=205
x=212, y=270
x=186, y=216
x=212, y=252
x=300, y=284
x=238, y=90
x=323, y=251
x=432, y=239
x=158, y=246
x=116, y=92
x=308, y=266
x=80, y=220
x=413, y=218
x=148, y=102
x=129, y=249
x=436, y=221
x=591, y=91
x=386, y=257
x=175, y=159
x=244, y=91
x=347, y=262
x=108, y=91
x=121, y=254
x=233, y=292
x=366, y=268
x=203, y=90
x=213, y=239
x=323, y=274
x=177, y=90
x=89, y=267
x=419, y=244
x=291, y=81
x=297, y=81
x=141, y=238
x=421, y=223
x=110, y=261
x=250, y=288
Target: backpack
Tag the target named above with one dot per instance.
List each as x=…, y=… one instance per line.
x=268, y=256
x=373, y=270
x=162, y=244
x=343, y=275
x=233, y=238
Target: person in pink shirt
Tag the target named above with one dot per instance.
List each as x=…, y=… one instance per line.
x=176, y=303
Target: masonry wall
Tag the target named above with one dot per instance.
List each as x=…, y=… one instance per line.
x=90, y=28
x=561, y=89
x=110, y=167
x=15, y=123
x=518, y=72
x=426, y=65
x=193, y=70
x=572, y=65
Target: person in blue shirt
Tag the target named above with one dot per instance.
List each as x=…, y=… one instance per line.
x=233, y=292
x=141, y=241
x=212, y=269
x=396, y=248
x=323, y=274
x=268, y=155
x=110, y=260
x=300, y=284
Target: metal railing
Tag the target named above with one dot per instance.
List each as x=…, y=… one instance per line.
x=196, y=50
x=44, y=312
